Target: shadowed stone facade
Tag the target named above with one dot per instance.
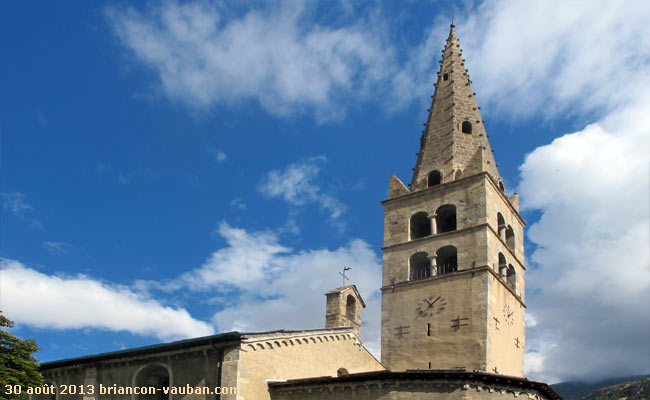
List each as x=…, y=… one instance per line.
x=413, y=385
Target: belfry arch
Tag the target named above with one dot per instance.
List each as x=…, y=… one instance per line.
x=434, y=178
x=446, y=260
x=420, y=266
x=420, y=225
x=503, y=266
x=351, y=308
x=510, y=238
x=511, y=277
x=501, y=226
x=446, y=218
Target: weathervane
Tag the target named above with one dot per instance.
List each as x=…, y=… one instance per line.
x=343, y=274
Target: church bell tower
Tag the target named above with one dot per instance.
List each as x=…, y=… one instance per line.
x=453, y=255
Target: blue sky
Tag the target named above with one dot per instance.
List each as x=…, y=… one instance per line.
x=178, y=169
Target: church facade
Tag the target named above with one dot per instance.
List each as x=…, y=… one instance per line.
x=453, y=298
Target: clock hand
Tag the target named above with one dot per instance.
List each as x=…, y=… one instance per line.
x=433, y=302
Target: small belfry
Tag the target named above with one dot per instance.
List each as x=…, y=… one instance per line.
x=453, y=271
x=343, y=308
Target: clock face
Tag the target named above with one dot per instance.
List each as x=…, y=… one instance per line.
x=508, y=314
x=431, y=305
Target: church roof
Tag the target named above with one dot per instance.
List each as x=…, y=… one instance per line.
x=414, y=375
x=154, y=348
x=454, y=141
x=221, y=338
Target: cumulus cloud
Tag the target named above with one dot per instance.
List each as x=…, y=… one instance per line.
x=58, y=302
x=274, y=287
x=590, y=58
x=248, y=257
x=592, y=280
x=269, y=55
x=295, y=185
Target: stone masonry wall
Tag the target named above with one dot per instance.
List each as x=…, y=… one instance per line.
x=293, y=356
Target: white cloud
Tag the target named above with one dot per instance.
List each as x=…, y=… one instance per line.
x=220, y=156
x=274, y=287
x=415, y=78
x=54, y=302
x=57, y=248
x=589, y=58
x=295, y=185
x=248, y=257
x=15, y=203
x=270, y=55
x=238, y=203
x=592, y=284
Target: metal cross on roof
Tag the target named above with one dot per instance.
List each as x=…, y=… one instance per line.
x=343, y=274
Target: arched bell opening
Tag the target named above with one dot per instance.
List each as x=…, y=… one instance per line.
x=447, y=260
x=503, y=266
x=501, y=226
x=420, y=266
x=351, y=308
x=510, y=238
x=446, y=218
x=466, y=127
x=434, y=178
x=420, y=225
x=511, y=277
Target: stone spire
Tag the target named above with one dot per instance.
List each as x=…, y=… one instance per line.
x=454, y=141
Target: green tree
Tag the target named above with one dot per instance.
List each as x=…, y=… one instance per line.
x=17, y=365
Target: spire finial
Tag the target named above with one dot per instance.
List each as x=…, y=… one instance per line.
x=452, y=21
